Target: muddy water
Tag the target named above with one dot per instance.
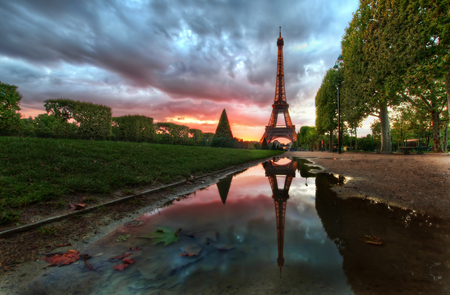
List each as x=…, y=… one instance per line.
x=275, y=228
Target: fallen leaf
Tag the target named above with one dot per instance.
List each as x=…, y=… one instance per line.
x=190, y=249
x=76, y=206
x=121, y=267
x=372, y=240
x=122, y=238
x=128, y=260
x=120, y=256
x=65, y=259
x=87, y=264
x=164, y=235
x=135, y=249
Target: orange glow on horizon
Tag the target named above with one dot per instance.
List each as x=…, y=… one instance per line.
x=241, y=131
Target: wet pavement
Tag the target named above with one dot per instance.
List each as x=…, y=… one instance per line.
x=276, y=228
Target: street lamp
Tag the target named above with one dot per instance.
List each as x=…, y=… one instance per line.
x=337, y=65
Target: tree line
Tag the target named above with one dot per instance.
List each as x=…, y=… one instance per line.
x=66, y=118
x=395, y=67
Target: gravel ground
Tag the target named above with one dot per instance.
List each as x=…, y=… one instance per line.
x=418, y=182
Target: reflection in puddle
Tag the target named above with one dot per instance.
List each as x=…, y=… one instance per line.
x=232, y=241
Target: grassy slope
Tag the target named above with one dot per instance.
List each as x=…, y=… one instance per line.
x=36, y=169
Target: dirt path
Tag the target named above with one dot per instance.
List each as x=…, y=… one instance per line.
x=418, y=182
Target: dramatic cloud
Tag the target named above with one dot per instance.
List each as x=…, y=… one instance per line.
x=181, y=61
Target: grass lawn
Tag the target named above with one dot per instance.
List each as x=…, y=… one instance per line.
x=38, y=169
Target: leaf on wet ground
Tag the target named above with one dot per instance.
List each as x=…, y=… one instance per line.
x=190, y=249
x=135, y=248
x=122, y=238
x=121, y=267
x=372, y=240
x=76, y=206
x=128, y=260
x=64, y=259
x=120, y=256
x=223, y=247
x=164, y=235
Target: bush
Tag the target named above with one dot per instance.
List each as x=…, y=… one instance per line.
x=133, y=128
x=93, y=120
x=50, y=126
x=196, y=136
x=171, y=133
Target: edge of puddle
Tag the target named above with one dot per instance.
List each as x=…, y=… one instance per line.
x=230, y=169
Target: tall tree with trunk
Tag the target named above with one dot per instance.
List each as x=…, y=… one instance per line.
x=408, y=46
x=364, y=77
x=326, y=105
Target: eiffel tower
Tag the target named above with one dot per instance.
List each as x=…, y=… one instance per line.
x=280, y=105
x=280, y=197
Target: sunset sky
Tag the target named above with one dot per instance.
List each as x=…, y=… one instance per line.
x=180, y=61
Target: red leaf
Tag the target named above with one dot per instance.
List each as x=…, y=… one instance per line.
x=135, y=249
x=120, y=256
x=64, y=259
x=87, y=264
x=187, y=254
x=76, y=206
x=128, y=260
x=121, y=267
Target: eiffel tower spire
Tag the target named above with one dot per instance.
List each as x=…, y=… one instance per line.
x=280, y=105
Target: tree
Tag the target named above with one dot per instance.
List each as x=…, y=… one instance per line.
x=223, y=136
x=366, y=72
x=264, y=145
x=326, y=105
x=406, y=47
x=196, y=136
x=171, y=133
x=9, y=109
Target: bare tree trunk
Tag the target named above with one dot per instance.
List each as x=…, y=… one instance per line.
x=446, y=137
x=356, y=140
x=447, y=87
x=386, y=147
x=330, y=144
x=351, y=139
x=436, y=132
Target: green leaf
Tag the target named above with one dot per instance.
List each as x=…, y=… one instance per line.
x=122, y=238
x=163, y=234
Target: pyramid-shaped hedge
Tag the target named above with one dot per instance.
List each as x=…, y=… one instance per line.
x=223, y=136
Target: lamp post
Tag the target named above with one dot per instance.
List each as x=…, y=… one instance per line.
x=336, y=66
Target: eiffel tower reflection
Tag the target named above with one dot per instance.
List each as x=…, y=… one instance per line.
x=280, y=196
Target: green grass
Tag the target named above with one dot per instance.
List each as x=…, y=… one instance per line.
x=38, y=169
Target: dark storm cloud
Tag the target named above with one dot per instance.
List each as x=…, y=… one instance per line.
x=220, y=51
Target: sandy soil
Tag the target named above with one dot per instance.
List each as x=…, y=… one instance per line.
x=418, y=182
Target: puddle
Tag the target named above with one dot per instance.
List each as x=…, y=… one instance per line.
x=274, y=228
